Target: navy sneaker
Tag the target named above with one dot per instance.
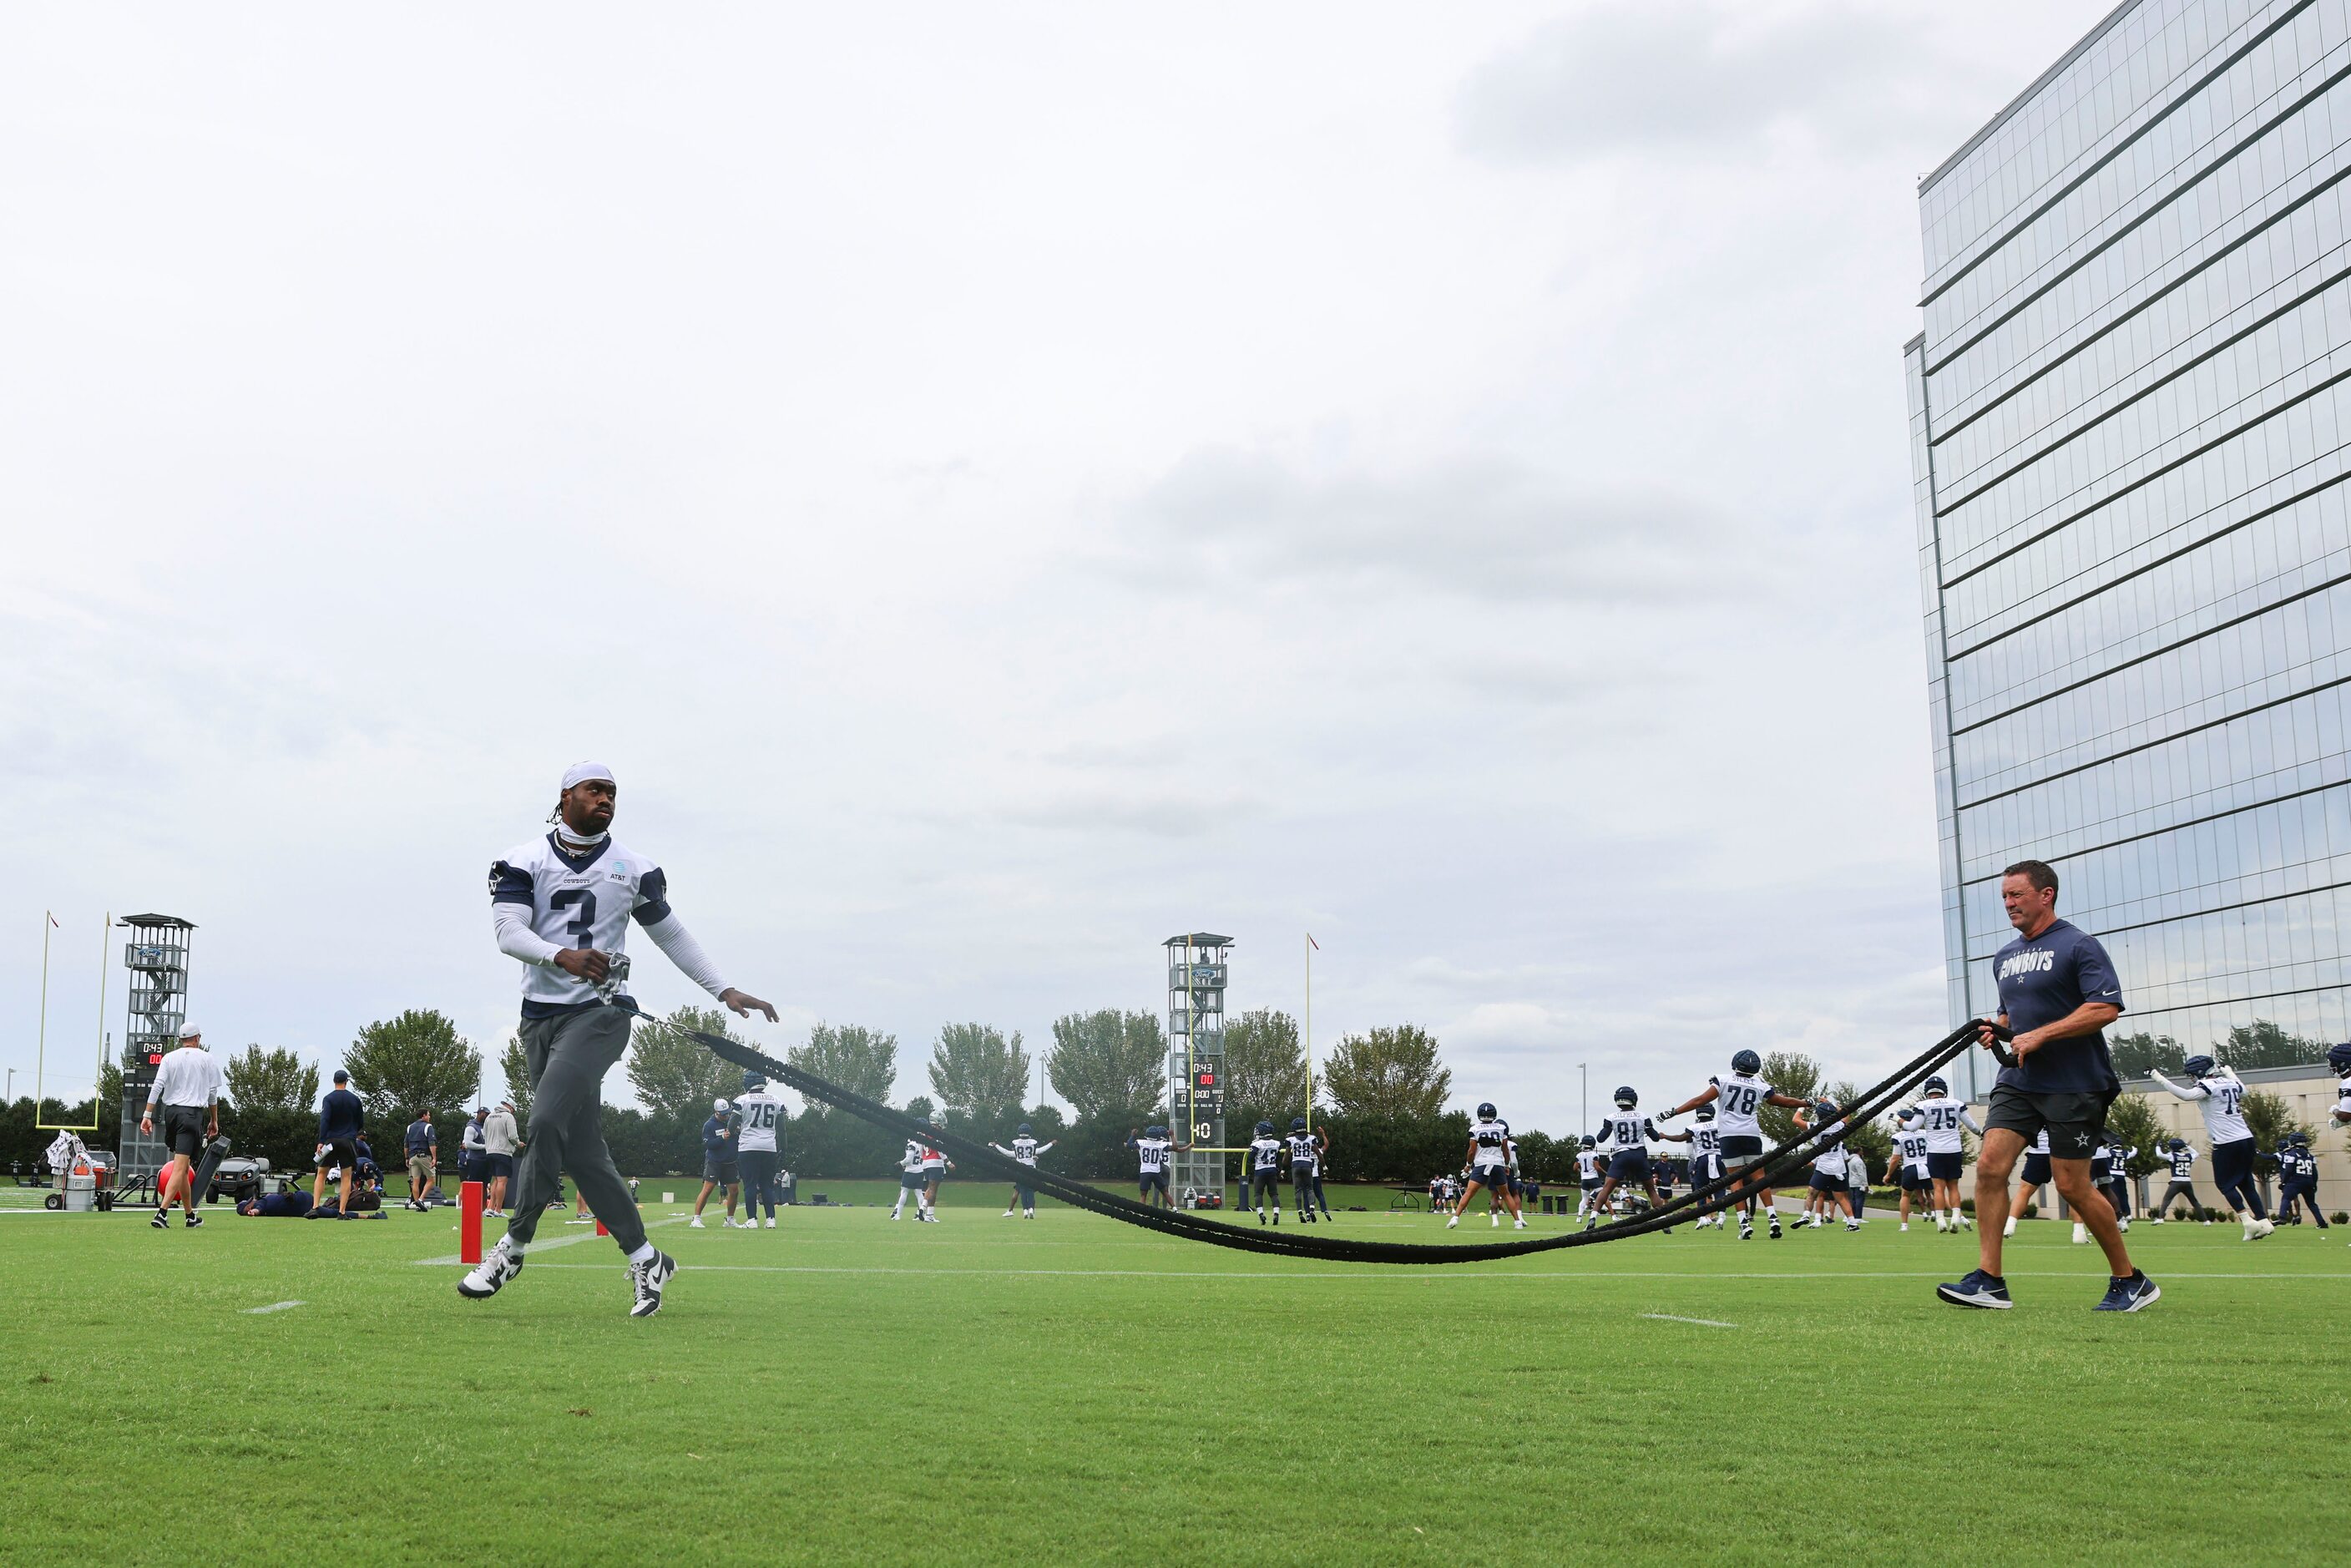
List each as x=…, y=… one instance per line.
x=1978, y=1290
x=2129, y=1295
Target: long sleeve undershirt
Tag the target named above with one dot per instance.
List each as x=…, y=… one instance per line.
x=517, y=940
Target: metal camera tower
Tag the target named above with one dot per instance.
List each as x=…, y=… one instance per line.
x=157, y=957
x=1196, y=973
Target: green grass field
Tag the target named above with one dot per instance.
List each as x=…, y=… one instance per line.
x=1072, y=1390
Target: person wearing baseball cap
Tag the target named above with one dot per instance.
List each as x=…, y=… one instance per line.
x=187, y=1086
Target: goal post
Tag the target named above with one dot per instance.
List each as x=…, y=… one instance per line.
x=41, y=1050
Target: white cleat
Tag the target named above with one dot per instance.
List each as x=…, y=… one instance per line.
x=2081, y=1234
x=771, y=1222
x=1452, y=1220
x=696, y=1224
x=1007, y=1214
x=2009, y=1228
x=1519, y=1224
x=489, y=1276
x=2259, y=1228
x=1497, y=1220
x=1028, y=1214
x=649, y=1277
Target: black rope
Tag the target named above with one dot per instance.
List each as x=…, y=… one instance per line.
x=1713, y=1197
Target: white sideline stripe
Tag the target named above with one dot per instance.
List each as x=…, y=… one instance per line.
x=273, y=1307
x=1419, y=1273
x=537, y=1247
x=1702, y=1322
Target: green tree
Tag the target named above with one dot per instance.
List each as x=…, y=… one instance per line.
x=2269, y=1119
x=2131, y=1123
x=277, y=1080
x=1387, y=1072
x=2262, y=1043
x=1875, y=1143
x=1264, y=1064
x=415, y=1061
x=677, y=1076
x=516, y=1064
x=1110, y=1066
x=862, y=1060
x=1788, y=1072
x=919, y=1108
x=977, y=1074
x=2137, y=1055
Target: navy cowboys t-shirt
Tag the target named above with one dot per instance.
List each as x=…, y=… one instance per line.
x=2043, y=978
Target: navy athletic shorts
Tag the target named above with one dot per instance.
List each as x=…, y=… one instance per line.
x=2232, y=1162
x=1946, y=1167
x=1825, y=1182
x=1705, y=1169
x=1914, y=1178
x=1493, y=1178
x=1741, y=1149
x=2036, y=1170
x=910, y=1181
x=495, y=1165
x=1153, y=1179
x=1629, y=1165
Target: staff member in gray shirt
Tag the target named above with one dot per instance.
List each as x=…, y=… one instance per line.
x=187, y=1086
x=500, y=1137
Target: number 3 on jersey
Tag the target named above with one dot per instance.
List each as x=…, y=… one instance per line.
x=584, y=927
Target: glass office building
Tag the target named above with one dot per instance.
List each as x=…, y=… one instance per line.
x=2130, y=424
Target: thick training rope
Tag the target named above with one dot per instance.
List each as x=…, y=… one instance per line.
x=1714, y=1196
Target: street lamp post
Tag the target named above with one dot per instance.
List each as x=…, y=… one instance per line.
x=1586, y=1068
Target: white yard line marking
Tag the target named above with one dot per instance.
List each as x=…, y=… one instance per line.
x=272, y=1307
x=1702, y=1322
x=1418, y=1274
x=537, y=1247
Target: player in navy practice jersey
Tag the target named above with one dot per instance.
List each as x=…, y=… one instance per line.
x=2219, y=1094
x=1739, y=1100
x=2057, y=994
x=1491, y=1155
x=561, y=906
x=2181, y=1161
x=2298, y=1180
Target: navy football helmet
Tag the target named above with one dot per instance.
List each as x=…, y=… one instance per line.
x=2300, y=1140
x=754, y=1082
x=2198, y=1066
x=1586, y=1142
x=1826, y=1109
x=1706, y=1112
x=1265, y=1129
x=2338, y=1057
x=1156, y=1130
x=1298, y=1124
x=1747, y=1064
x=1626, y=1098
x=1936, y=1086
x=2176, y=1144
x=1024, y=1129
x=1485, y=1112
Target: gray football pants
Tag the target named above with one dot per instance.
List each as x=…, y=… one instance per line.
x=568, y=1056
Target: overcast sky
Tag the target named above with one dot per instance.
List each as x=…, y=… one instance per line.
x=1002, y=485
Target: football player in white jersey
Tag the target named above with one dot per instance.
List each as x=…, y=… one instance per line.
x=1305, y=1155
x=1705, y=1159
x=759, y=1152
x=1492, y=1155
x=1910, y=1161
x=2338, y=1057
x=912, y=1181
x=936, y=1165
x=1262, y=1162
x=2221, y=1095
x=561, y=906
x=1587, y=1175
x=1739, y=1098
x=1830, y=1185
x=1024, y=1150
x=1154, y=1151
x=1624, y=1139
x=1941, y=1118
x=2033, y=1175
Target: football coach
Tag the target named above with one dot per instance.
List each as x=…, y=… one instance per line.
x=2057, y=994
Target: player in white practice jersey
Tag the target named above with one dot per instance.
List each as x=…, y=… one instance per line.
x=1262, y=1183
x=1941, y=1118
x=1024, y=1150
x=1154, y=1152
x=1830, y=1184
x=1705, y=1141
x=1910, y=1163
x=917, y=1177
x=759, y=1154
x=561, y=906
x=1623, y=1140
x=2033, y=1175
x=2221, y=1095
x=1589, y=1173
x=1306, y=1154
x=1492, y=1155
x=1739, y=1098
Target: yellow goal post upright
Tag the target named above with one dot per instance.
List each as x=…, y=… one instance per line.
x=1198, y=967
x=41, y=1050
